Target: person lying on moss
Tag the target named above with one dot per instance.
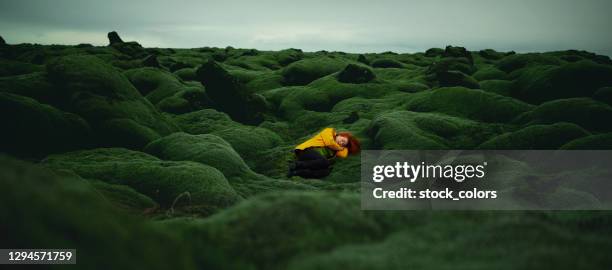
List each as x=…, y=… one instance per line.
x=314, y=157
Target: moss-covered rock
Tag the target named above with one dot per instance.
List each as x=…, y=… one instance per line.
x=386, y=63
x=537, y=137
x=99, y=93
x=167, y=92
x=11, y=68
x=469, y=103
x=57, y=204
x=411, y=130
x=353, y=73
x=434, y=52
x=30, y=128
x=204, y=148
x=307, y=70
x=34, y=85
x=454, y=51
x=580, y=79
x=491, y=54
x=456, y=78
x=585, y=112
x=230, y=95
x=604, y=94
x=500, y=87
x=166, y=182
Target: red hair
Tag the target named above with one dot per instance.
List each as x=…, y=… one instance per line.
x=353, y=144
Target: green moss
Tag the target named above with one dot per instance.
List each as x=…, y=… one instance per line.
x=536, y=137
x=491, y=54
x=489, y=73
x=58, y=204
x=11, y=68
x=100, y=93
x=307, y=70
x=584, y=112
x=163, y=181
x=604, y=95
x=205, y=148
x=593, y=142
x=386, y=63
x=411, y=130
x=472, y=104
x=353, y=73
x=33, y=129
x=518, y=61
x=500, y=87
x=34, y=85
x=578, y=79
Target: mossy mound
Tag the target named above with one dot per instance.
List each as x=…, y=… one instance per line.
x=57, y=204
x=166, y=182
x=489, y=73
x=99, y=93
x=11, y=68
x=34, y=85
x=411, y=130
x=518, y=61
x=580, y=79
x=491, y=54
x=34, y=129
x=539, y=137
x=469, y=103
x=307, y=70
x=585, y=112
x=353, y=73
x=451, y=64
x=186, y=74
x=500, y=87
x=434, y=52
x=593, y=142
x=386, y=63
x=207, y=149
x=604, y=95
x=294, y=231
x=456, y=78
x=455, y=51
x=167, y=92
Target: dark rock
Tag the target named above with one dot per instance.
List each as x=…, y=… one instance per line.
x=491, y=54
x=2, y=42
x=362, y=59
x=452, y=64
x=228, y=94
x=32, y=129
x=353, y=73
x=604, y=95
x=151, y=61
x=452, y=51
x=456, y=78
x=433, y=52
x=352, y=118
x=113, y=38
x=105, y=98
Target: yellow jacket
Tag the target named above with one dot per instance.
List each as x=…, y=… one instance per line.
x=325, y=138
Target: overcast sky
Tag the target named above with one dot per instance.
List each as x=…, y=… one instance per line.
x=344, y=25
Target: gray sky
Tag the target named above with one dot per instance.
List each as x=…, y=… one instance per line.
x=344, y=25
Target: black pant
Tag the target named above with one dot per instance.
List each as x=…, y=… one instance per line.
x=311, y=164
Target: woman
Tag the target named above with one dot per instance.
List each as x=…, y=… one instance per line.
x=314, y=156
